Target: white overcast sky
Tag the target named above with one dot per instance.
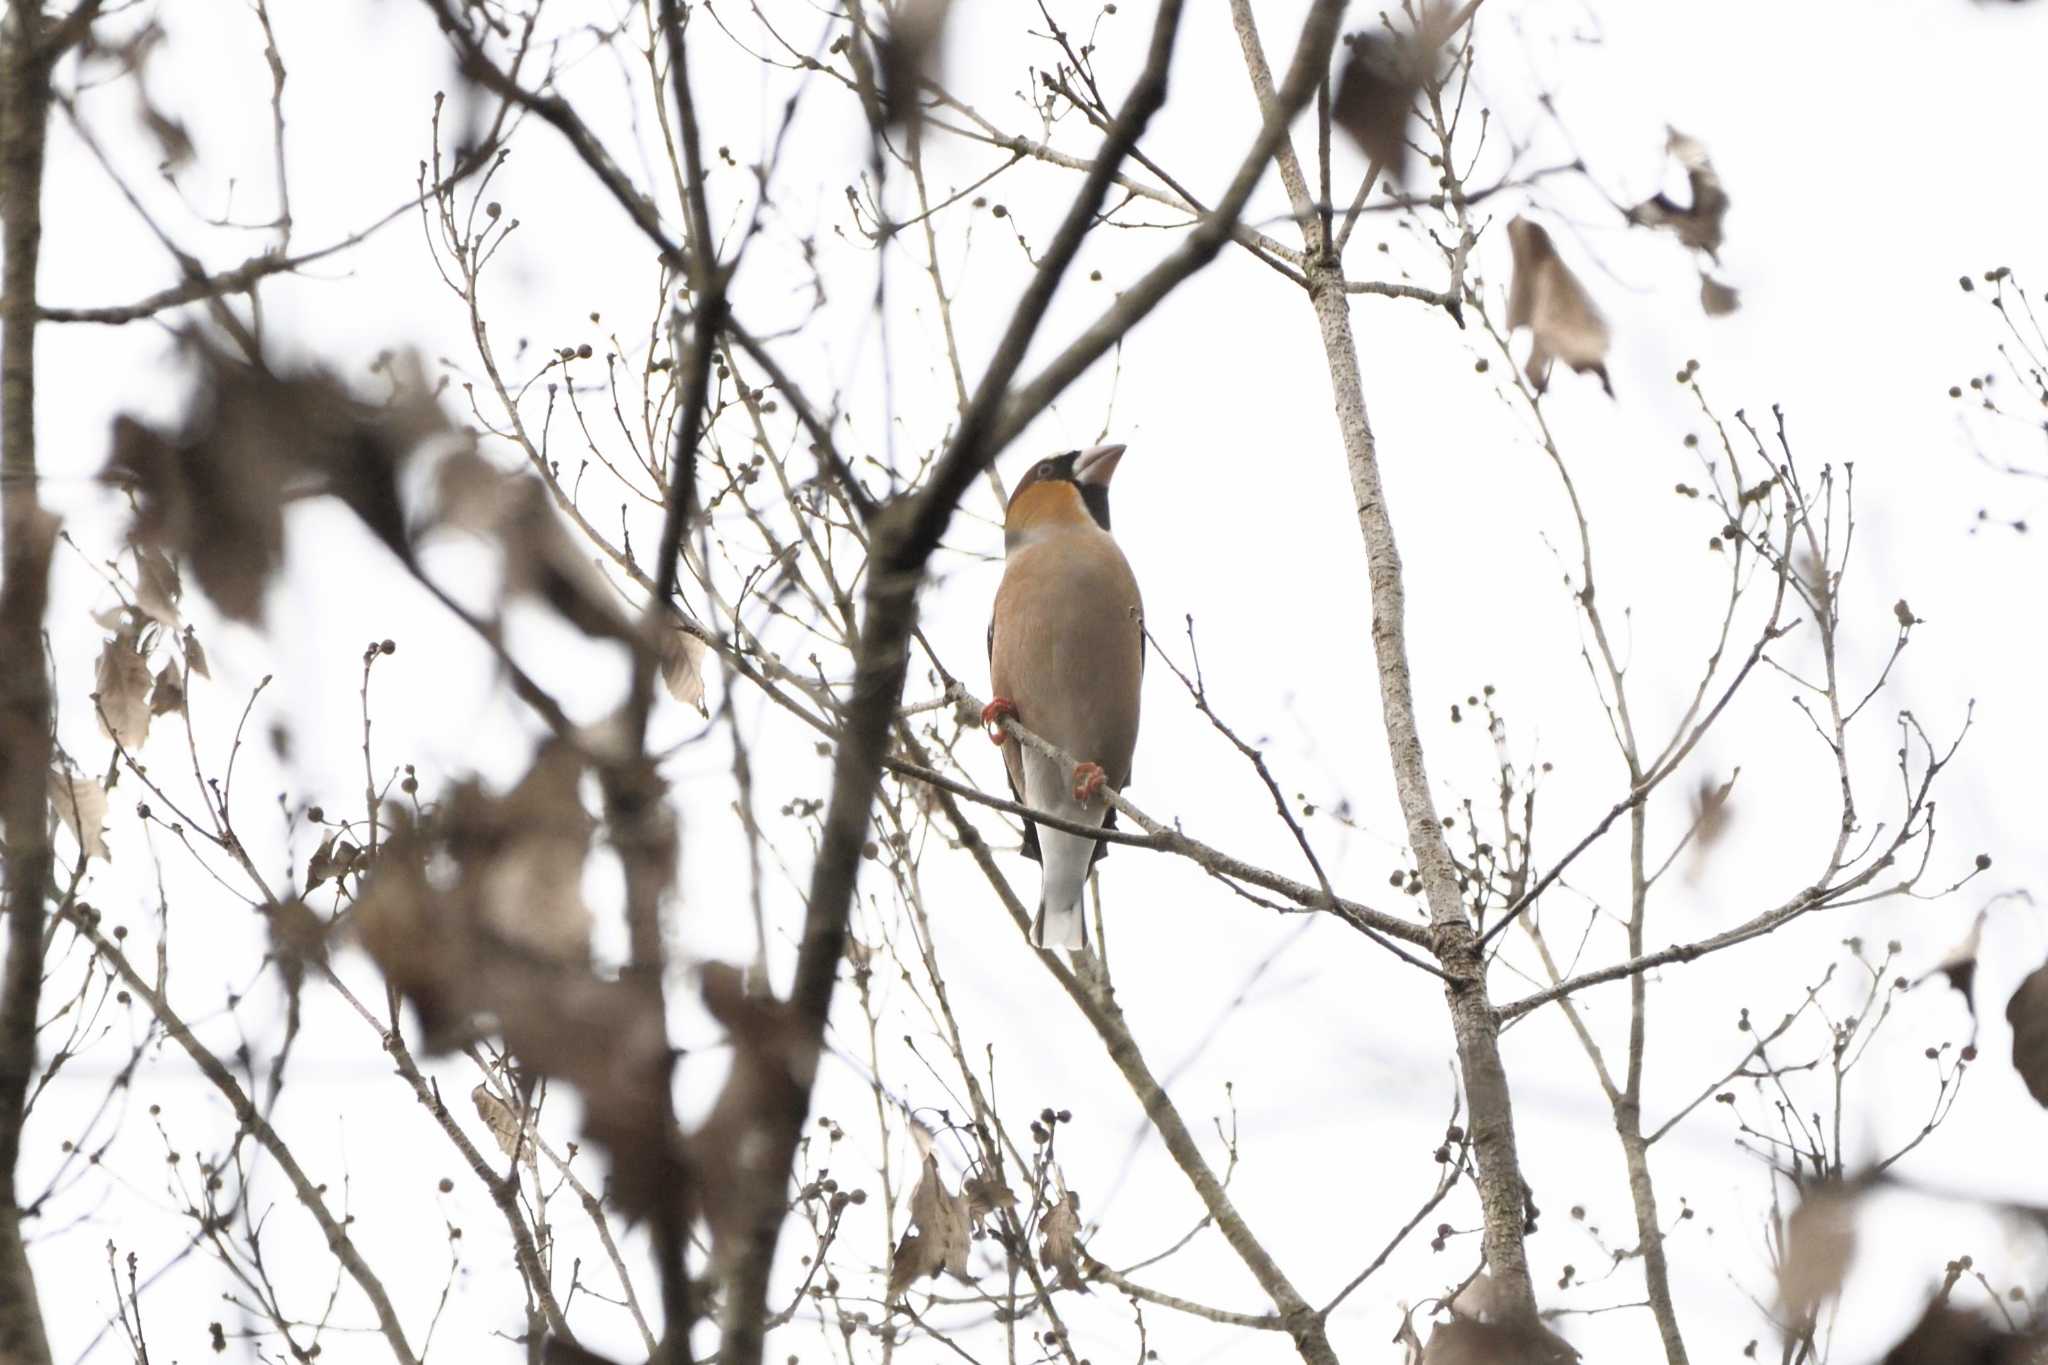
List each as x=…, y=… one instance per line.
x=1876, y=150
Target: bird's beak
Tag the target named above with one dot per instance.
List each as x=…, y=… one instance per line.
x=1095, y=466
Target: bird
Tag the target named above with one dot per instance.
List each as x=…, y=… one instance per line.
x=1066, y=657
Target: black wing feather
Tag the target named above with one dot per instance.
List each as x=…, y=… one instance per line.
x=1030, y=826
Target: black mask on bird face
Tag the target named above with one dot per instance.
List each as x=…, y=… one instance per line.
x=1089, y=471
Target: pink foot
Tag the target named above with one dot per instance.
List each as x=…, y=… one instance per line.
x=1088, y=781
x=993, y=712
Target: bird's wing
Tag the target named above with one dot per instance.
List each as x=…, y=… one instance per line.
x=1013, y=762
x=1109, y=816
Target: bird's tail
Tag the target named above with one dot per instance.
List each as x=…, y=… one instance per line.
x=1061, y=922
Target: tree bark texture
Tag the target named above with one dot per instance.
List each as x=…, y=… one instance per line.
x=29, y=535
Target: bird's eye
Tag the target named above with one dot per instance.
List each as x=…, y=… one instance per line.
x=1045, y=469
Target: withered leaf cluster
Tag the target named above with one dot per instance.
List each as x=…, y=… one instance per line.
x=773, y=1059
x=1549, y=300
x=333, y=860
x=497, y=941
x=213, y=492
x=212, y=495
x=1381, y=78
x=1821, y=1241
x=1699, y=223
x=541, y=561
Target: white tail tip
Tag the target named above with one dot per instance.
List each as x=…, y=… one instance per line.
x=1066, y=927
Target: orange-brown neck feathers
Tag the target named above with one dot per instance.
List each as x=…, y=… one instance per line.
x=1044, y=507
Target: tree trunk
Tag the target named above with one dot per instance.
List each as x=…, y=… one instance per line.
x=28, y=534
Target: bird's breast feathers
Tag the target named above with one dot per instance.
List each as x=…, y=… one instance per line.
x=1067, y=644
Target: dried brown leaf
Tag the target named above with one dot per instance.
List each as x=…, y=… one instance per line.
x=81, y=804
x=401, y=922
x=122, y=683
x=1950, y=1336
x=1549, y=300
x=2027, y=1012
x=174, y=143
x=213, y=492
x=772, y=1064
x=442, y=947
x=1959, y=963
x=1699, y=223
x=1466, y=1341
x=909, y=53
x=298, y=940
x=1718, y=299
x=157, y=586
x=474, y=495
x=1381, y=78
x=498, y=1116
x=1711, y=811
x=541, y=561
x=1479, y=1299
x=939, y=1238
x=1059, y=1247
x=985, y=1194
x=682, y=666
x=195, y=655
x=524, y=855
x=334, y=859
x=167, y=693
x=1820, y=1240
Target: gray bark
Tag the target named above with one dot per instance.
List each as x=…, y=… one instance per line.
x=24, y=685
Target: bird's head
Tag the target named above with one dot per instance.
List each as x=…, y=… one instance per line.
x=1069, y=489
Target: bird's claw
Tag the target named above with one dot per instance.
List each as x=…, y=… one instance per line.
x=1088, y=781
x=994, y=712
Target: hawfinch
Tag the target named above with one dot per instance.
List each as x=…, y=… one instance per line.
x=1066, y=653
